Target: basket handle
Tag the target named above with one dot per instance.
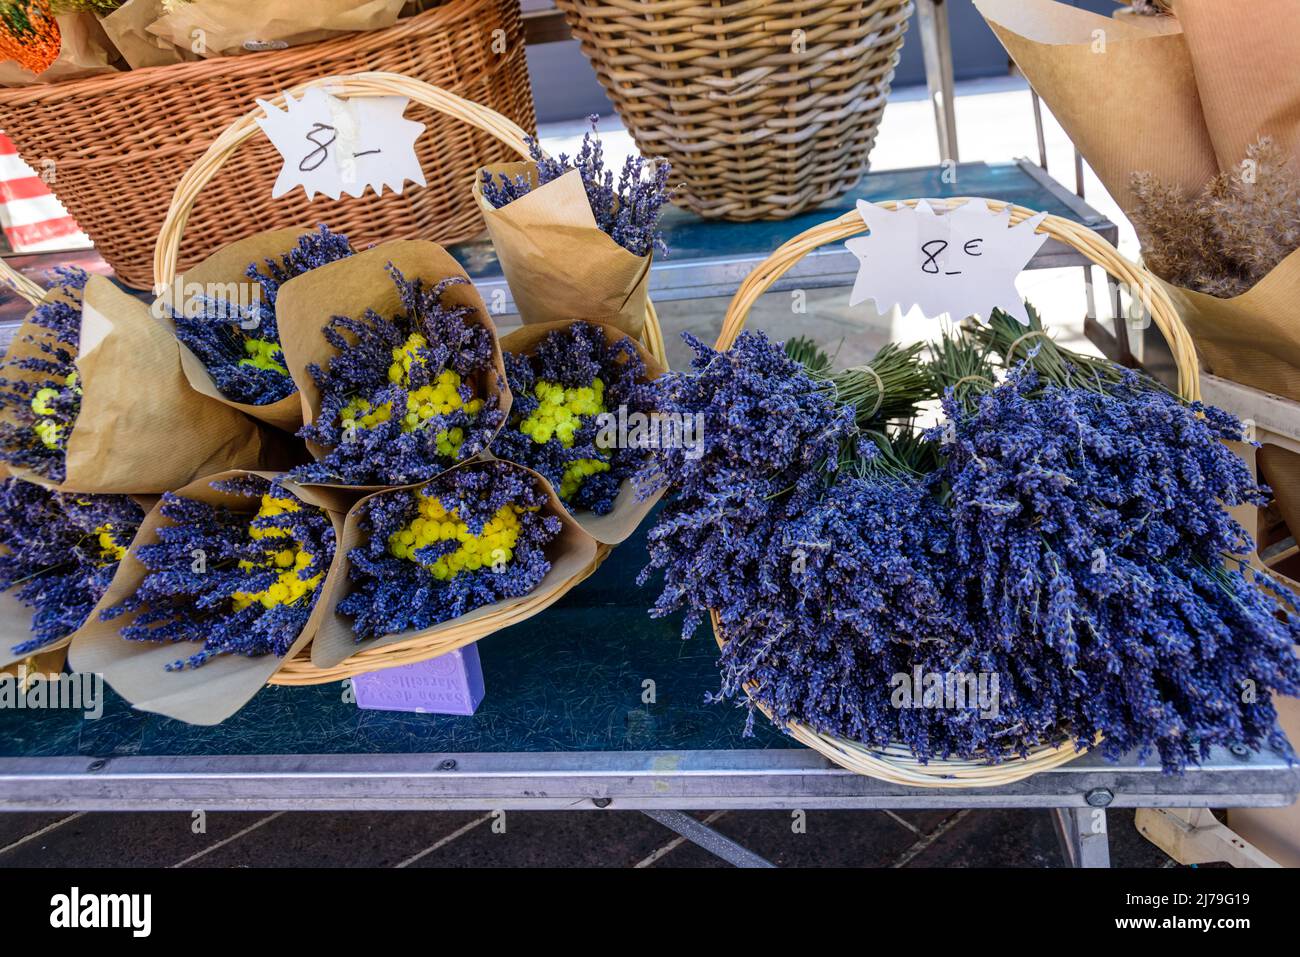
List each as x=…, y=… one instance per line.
x=20, y=284
x=357, y=84
x=1152, y=296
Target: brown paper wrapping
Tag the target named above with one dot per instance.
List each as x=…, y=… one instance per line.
x=141, y=427
x=1246, y=58
x=37, y=667
x=349, y=287
x=85, y=50
x=221, y=686
x=1134, y=107
x=16, y=618
x=228, y=265
x=570, y=553
x=558, y=263
x=127, y=28
x=228, y=24
x=623, y=519
x=1253, y=338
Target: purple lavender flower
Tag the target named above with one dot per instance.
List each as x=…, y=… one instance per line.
x=576, y=461
x=59, y=553
x=1068, y=541
x=237, y=582
x=472, y=536
x=628, y=212
x=381, y=416
x=240, y=345
x=41, y=405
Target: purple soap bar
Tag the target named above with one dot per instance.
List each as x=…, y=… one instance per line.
x=449, y=684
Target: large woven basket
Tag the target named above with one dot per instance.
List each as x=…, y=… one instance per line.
x=119, y=142
x=897, y=764
x=764, y=108
x=459, y=111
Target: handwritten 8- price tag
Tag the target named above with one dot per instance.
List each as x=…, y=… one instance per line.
x=336, y=146
x=962, y=262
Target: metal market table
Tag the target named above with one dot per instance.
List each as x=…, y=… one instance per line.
x=564, y=725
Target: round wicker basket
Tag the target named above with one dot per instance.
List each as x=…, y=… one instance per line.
x=764, y=109
x=897, y=764
x=299, y=670
x=117, y=141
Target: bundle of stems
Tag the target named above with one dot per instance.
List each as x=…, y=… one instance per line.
x=1055, y=364
x=961, y=363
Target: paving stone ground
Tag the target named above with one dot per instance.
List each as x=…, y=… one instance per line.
x=983, y=838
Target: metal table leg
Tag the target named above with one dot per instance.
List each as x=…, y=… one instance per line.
x=1083, y=836
x=936, y=44
x=707, y=838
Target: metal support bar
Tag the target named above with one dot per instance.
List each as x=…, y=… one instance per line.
x=936, y=45
x=1083, y=836
x=701, y=835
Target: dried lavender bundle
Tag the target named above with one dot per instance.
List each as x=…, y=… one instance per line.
x=473, y=536
x=59, y=553
x=254, y=584
x=240, y=345
x=398, y=399
x=41, y=407
x=628, y=212
x=1229, y=236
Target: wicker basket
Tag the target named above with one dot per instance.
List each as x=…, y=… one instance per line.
x=764, y=109
x=458, y=111
x=896, y=764
x=121, y=141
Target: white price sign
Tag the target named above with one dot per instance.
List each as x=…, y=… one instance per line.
x=334, y=146
x=960, y=262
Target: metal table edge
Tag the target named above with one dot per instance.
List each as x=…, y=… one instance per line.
x=682, y=780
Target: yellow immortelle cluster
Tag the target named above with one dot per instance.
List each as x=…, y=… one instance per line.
x=261, y=355
x=47, y=430
x=559, y=413
x=493, y=547
x=109, y=549
x=288, y=587
x=422, y=404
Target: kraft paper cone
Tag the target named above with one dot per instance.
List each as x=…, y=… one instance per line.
x=571, y=553
x=221, y=686
x=627, y=513
x=228, y=25
x=351, y=286
x=1253, y=338
x=16, y=618
x=127, y=29
x=1245, y=57
x=141, y=427
x=1134, y=107
x=558, y=263
x=229, y=265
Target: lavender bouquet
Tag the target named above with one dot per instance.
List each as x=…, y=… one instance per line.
x=473, y=536
x=1062, y=532
x=628, y=212
x=398, y=402
x=58, y=554
x=40, y=396
x=567, y=391
x=239, y=344
x=234, y=581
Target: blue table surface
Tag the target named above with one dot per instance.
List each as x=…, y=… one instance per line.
x=690, y=238
x=568, y=679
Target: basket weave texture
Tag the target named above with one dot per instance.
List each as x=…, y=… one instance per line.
x=120, y=142
x=896, y=764
x=764, y=108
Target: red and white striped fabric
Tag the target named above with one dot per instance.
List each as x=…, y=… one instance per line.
x=33, y=220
